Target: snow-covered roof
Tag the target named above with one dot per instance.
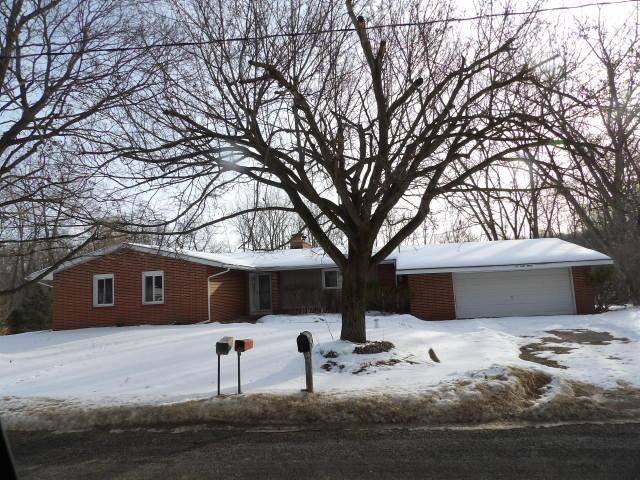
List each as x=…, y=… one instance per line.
x=471, y=256
x=289, y=259
x=496, y=255
x=282, y=259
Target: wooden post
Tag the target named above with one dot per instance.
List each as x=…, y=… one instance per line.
x=218, y=375
x=239, y=388
x=305, y=347
x=308, y=367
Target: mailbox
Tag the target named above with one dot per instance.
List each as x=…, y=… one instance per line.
x=243, y=345
x=305, y=342
x=224, y=345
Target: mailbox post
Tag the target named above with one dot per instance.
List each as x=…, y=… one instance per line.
x=223, y=347
x=305, y=346
x=242, y=346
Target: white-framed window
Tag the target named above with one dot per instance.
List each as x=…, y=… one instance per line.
x=103, y=290
x=153, y=287
x=331, y=279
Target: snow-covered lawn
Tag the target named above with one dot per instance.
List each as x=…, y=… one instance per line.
x=153, y=364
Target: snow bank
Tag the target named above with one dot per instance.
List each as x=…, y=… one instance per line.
x=494, y=395
x=157, y=374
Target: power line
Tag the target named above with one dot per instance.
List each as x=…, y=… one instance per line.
x=321, y=32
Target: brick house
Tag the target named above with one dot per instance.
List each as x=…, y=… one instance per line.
x=132, y=284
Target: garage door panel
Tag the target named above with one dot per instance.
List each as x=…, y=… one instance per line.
x=517, y=293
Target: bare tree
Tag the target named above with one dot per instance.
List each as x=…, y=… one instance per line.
x=265, y=229
x=594, y=116
x=353, y=119
x=61, y=65
x=508, y=201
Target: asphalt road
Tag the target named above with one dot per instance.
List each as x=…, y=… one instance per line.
x=566, y=452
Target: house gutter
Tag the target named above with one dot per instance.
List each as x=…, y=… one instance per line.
x=505, y=268
x=209, y=290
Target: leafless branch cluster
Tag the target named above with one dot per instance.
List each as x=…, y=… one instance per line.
x=53, y=87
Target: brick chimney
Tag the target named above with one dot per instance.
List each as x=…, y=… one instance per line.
x=299, y=240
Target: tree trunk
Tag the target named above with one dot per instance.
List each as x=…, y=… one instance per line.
x=354, y=298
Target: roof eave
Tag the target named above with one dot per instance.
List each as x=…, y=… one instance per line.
x=318, y=266
x=189, y=258
x=504, y=268
x=150, y=250
x=74, y=262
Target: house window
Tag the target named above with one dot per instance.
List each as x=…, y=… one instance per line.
x=331, y=279
x=152, y=287
x=103, y=290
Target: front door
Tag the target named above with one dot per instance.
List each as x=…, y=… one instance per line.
x=259, y=293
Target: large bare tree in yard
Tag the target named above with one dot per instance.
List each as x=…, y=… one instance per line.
x=346, y=116
x=60, y=67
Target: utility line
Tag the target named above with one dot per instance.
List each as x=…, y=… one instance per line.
x=320, y=32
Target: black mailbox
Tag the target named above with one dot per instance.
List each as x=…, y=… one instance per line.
x=305, y=342
x=224, y=346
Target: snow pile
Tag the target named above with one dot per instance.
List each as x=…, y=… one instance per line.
x=492, y=395
x=167, y=373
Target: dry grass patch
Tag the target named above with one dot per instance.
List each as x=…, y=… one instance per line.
x=379, y=346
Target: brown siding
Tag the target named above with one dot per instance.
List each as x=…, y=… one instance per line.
x=301, y=292
x=185, y=292
x=583, y=290
x=275, y=292
x=229, y=296
x=387, y=275
x=431, y=296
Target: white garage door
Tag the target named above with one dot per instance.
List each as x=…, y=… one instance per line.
x=521, y=293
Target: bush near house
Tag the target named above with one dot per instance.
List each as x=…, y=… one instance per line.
x=33, y=313
x=381, y=298
x=388, y=299
x=4, y=314
x=607, y=287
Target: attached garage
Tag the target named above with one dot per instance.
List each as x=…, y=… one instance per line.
x=515, y=293
x=545, y=276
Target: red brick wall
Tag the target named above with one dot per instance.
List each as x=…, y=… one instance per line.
x=229, y=296
x=431, y=296
x=387, y=275
x=275, y=292
x=583, y=290
x=185, y=292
